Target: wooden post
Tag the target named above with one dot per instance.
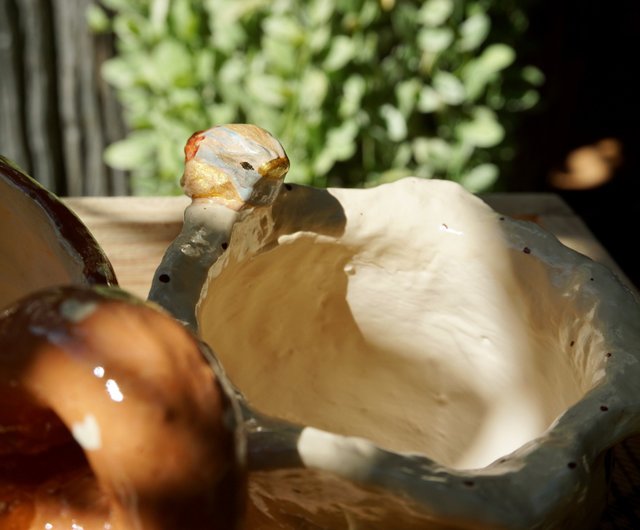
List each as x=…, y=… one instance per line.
x=56, y=113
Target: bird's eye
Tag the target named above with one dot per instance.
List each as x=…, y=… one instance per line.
x=246, y=165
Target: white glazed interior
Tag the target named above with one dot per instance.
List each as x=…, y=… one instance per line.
x=410, y=314
x=34, y=254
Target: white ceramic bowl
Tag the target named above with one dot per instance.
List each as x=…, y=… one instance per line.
x=409, y=358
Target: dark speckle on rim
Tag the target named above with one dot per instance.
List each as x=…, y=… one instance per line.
x=288, y=187
x=164, y=278
x=526, y=250
x=572, y=465
x=246, y=165
x=224, y=245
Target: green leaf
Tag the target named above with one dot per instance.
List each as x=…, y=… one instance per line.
x=320, y=12
x=461, y=154
x=222, y=113
x=232, y=75
x=185, y=97
x=324, y=162
x=473, y=31
x=497, y=57
x=533, y=75
x=170, y=158
x=480, y=178
x=366, y=47
x=170, y=65
x=528, y=100
x=158, y=14
x=281, y=55
x=449, y=87
x=353, y=90
x=407, y=95
x=395, y=122
x=119, y=72
x=339, y=145
x=117, y=5
x=481, y=71
x=431, y=151
x=435, y=40
x=435, y=12
x=185, y=21
x=269, y=117
x=429, y=100
x=369, y=12
x=134, y=152
x=205, y=66
x=402, y=157
x=313, y=87
x=284, y=28
x=405, y=19
x=318, y=38
x=268, y=89
x=341, y=140
x=340, y=53
x=227, y=33
x=97, y=19
x=483, y=130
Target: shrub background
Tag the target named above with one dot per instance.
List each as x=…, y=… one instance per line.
x=358, y=91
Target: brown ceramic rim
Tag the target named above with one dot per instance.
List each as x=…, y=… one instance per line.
x=97, y=268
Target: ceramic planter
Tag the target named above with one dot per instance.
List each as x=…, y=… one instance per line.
x=405, y=356
x=110, y=413
x=42, y=242
x=397, y=357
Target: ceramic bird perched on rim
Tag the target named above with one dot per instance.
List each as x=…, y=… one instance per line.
x=228, y=171
x=237, y=164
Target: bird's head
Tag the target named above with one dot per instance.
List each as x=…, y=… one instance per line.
x=237, y=164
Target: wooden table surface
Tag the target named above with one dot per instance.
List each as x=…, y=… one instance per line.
x=135, y=231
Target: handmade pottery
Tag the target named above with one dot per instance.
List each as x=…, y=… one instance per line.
x=42, y=243
x=405, y=356
x=111, y=415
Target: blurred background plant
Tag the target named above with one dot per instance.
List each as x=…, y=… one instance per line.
x=358, y=91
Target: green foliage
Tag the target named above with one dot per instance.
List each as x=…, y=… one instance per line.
x=358, y=91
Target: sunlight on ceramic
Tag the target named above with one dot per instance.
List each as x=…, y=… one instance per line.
x=408, y=356
x=408, y=321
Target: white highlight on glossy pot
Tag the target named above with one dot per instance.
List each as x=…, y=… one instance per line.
x=87, y=433
x=114, y=390
x=76, y=311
